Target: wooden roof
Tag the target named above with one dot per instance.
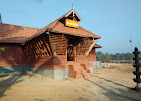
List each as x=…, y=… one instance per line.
x=97, y=46
x=58, y=26
x=15, y=34
x=20, y=34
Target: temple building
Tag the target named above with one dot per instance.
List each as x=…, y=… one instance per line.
x=60, y=49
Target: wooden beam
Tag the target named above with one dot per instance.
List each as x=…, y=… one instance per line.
x=86, y=45
x=74, y=53
x=43, y=45
x=61, y=41
x=90, y=48
x=38, y=47
x=37, y=50
x=81, y=49
x=47, y=45
x=51, y=43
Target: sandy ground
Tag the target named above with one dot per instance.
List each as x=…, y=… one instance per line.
x=114, y=83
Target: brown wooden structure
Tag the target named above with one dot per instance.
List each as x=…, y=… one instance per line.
x=53, y=46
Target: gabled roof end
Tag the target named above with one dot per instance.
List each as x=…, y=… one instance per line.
x=72, y=11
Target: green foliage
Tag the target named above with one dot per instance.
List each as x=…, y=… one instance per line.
x=1, y=49
x=121, y=57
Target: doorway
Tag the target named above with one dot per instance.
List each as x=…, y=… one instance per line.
x=71, y=49
x=70, y=53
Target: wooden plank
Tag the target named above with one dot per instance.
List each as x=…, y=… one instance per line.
x=44, y=47
x=56, y=41
x=53, y=39
x=51, y=44
x=90, y=48
x=59, y=48
x=54, y=35
x=74, y=53
x=81, y=48
x=38, y=47
x=47, y=46
x=45, y=52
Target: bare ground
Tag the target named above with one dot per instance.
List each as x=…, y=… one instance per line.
x=114, y=83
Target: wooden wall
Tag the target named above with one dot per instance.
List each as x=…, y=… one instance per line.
x=58, y=44
x=39, y=47
x=83, y=46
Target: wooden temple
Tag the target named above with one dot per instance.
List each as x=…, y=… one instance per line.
x=61, y=49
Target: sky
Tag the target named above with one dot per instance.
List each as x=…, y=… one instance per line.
x=116, y=21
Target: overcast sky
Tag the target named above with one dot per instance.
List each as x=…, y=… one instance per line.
x=114, y=20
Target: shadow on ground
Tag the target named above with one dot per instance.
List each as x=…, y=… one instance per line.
x=6, y=84
x=119, y=94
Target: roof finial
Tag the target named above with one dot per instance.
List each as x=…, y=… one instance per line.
x=72, y=6
x=73, y=10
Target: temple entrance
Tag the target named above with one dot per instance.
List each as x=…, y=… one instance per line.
x=71, y=50
x=70, y=53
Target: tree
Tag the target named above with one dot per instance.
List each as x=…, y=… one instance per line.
x=107, y=57
x=100, y=56
x=115, y=57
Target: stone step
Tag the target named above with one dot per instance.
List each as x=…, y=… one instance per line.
x=87, y=75
x=79, y=71
x=82, y=71
x=77, y=76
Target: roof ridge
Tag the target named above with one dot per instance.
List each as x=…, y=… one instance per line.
x=44, y=28
x=53, y=24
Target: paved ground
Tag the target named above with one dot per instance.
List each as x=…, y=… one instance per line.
x=113, y=83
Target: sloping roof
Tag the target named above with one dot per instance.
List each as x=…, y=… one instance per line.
x=58, y=27
x=15, y=34
x=20, y=34
x=97, y=46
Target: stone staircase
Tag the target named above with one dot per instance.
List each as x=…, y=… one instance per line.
x=78, y=70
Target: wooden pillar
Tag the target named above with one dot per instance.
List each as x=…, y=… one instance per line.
x=66, y=54
x=74, y=53
x=90, y=48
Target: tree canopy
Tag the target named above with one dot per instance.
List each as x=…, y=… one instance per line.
x=117, y=56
